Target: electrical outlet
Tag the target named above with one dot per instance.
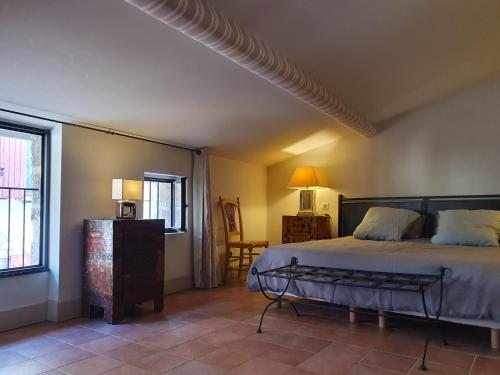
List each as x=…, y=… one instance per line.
x=325, y=205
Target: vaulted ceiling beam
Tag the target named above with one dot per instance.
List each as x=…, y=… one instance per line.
x=202, y=22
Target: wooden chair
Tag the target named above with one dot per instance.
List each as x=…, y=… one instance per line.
x=233, y=227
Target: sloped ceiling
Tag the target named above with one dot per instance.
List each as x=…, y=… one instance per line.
x=382, y=57
x=107, y=63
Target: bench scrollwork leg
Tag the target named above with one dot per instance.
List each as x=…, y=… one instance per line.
x=279, y=298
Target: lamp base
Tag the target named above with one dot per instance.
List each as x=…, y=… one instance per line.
x=125, y=210
x=307, y=202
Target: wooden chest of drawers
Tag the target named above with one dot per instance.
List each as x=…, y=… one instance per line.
x=123, y=264
x=305, y=228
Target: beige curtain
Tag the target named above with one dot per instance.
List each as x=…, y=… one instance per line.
x=205, y=257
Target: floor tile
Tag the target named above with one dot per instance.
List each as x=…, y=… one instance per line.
x=389, y=361
x=103, y=345
x=63, y=357
x=215, y=330
x=323, y=331
x=299, y=371
x=127, y=370
x=261, y=366
x=486, y=366
x=215, y=322
x=131, y=353
x=364, y=369
x=192, y=349
x=135, y=332
x=310, y=344
x=336, y=358
x=292, y=357
x=160, y=362
x=91, y=366
x=240, y=329
x=410, y=349
x=251, y=346
x=450, y=357
x=191, y=331
x=435, y=368
x=227, y=358
x=29, y=367
x=196, y=368
x=163, y=325
x=39, y=346
x=220, y=338
x=162, y=341
x=99, y=325
x=9, y=358
x=77, y=335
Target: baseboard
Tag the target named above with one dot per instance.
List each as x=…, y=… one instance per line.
x=23, y=316
x=61, y=311
x=178, y=284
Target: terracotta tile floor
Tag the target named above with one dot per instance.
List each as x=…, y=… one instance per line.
x=214, y=332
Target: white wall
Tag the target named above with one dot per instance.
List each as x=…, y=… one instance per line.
x=448, y=148
x=90, y=160
x=231, y=178
x=83, y=162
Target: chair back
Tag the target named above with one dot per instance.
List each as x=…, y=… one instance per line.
x=231, y=216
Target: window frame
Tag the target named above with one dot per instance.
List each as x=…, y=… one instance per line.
x=171, y=180
x=44, y=200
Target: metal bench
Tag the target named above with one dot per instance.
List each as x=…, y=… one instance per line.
x=399, y=282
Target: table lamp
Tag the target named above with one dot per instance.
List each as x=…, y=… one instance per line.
x=126, y=192
x=308, y=180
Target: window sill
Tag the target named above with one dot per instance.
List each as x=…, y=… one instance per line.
x=174, y=231
x=23, y=271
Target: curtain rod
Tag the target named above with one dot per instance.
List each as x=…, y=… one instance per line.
x=98, y=129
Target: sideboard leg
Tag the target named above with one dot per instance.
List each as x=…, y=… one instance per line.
x=158, y=304
x=86, y=308
x=114, y=314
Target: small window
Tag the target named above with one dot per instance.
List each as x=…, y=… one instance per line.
x=23, y=211
x=165, y=198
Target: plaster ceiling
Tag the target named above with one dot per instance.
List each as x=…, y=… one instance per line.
x=382, y=57
x=107, y=63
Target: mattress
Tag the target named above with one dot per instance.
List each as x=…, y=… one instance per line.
x=471, y=284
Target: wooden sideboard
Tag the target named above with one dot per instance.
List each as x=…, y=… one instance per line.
x=123, y=264
x=305, y=228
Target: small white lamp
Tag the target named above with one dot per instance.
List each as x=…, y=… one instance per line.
x=308, y=180
x=126, y=192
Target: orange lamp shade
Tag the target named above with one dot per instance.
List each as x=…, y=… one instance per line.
x=307, y=178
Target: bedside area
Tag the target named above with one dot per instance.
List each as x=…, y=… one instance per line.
x=301, y=228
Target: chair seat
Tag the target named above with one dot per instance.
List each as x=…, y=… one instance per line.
x=248, y=243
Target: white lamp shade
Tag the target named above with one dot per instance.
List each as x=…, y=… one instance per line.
x=126, y=189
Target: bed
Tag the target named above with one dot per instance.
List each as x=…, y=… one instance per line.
x=473, y=273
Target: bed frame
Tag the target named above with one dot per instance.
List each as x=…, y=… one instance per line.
x=352, y=210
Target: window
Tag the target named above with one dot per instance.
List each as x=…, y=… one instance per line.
x=165, y=198
x=23, y=202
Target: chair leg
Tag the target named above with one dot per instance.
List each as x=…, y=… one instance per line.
x=227, y=262
x=240, y=264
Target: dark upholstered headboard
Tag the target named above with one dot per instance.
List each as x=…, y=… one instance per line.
x=352, y=210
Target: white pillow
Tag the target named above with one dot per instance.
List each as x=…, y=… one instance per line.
x=385, y=224
x=468, y=227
